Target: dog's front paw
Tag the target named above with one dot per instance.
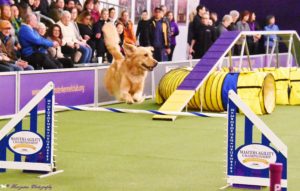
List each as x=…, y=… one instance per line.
x=127, y=98
x=139, y=99
x=129, y=101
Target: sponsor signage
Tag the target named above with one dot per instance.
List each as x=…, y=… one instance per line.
x=25, y=142
x=256, y=156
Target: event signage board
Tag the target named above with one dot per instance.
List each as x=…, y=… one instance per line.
x=7, y=94
x=71, y=87
x=25, y=142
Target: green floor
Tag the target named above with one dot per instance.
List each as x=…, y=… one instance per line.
x=107, y=151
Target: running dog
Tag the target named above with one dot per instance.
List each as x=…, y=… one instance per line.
x=125, y=77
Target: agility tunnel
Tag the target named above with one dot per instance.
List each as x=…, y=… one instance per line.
x=256, y=89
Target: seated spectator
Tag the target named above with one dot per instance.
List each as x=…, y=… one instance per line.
x=235, y=17
x=143, y=29
x=174, y=32
x=31, y=42
x=223, y=26
x=5, y=12
x=74, y=16
x=159, y=37
x=42, y=29
x=71, y=40
x=56, y=10
x=7, y=54
x=96, y=14
x=16, y=20
x=85, y=29
x=101, y=50
x=271, y=26
x=203, y=38
x=54, y=34
x=129, y=36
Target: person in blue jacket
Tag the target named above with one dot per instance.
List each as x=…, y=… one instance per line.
x=32, y=43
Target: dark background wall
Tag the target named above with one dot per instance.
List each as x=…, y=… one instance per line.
x=287, y=12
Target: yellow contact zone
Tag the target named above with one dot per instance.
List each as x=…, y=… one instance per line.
x=256, y=160
x=24, y=145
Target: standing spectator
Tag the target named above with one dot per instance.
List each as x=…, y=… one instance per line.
x=174, y=32
x=42, y=6
x=214, y=18
x=85, y=29
x=242, y=25
x=143, y=29
x=203, y=38
x=88, y=5
x=70, y=38
x=36, y=5
x=112, y=14
x=16, y=20
x=99, y=38
x=201, y=10
x=120, y=29
x=190, y=27
x=254, y=26
x=223, y=26
x=7, y=51
x=54, y=34
x=271, y=26
x=96, y=14
x=31, y=41
x=69, y=5
x=235, y=17
x=25, y=8
x=159, y=37
x=56, y=10
x=129, y=36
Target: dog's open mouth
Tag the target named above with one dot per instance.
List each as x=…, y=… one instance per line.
x=149, y=68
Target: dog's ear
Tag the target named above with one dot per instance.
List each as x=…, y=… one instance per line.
x=150, y=48
x=129, y=49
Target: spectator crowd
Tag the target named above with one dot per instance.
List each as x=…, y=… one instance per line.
x=204, y=28
x=31, y=42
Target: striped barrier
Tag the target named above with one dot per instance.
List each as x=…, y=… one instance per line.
x=115, y=110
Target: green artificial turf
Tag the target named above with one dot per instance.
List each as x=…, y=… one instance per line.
x=107, y=151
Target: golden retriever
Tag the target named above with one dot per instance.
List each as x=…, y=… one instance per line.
x=125, y=77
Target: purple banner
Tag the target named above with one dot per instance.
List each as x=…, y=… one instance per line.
x=7, y=94
x=71, y=88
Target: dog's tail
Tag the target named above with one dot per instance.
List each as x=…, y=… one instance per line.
x=112, y=39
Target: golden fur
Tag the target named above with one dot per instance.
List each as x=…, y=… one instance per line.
x=125, y=78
